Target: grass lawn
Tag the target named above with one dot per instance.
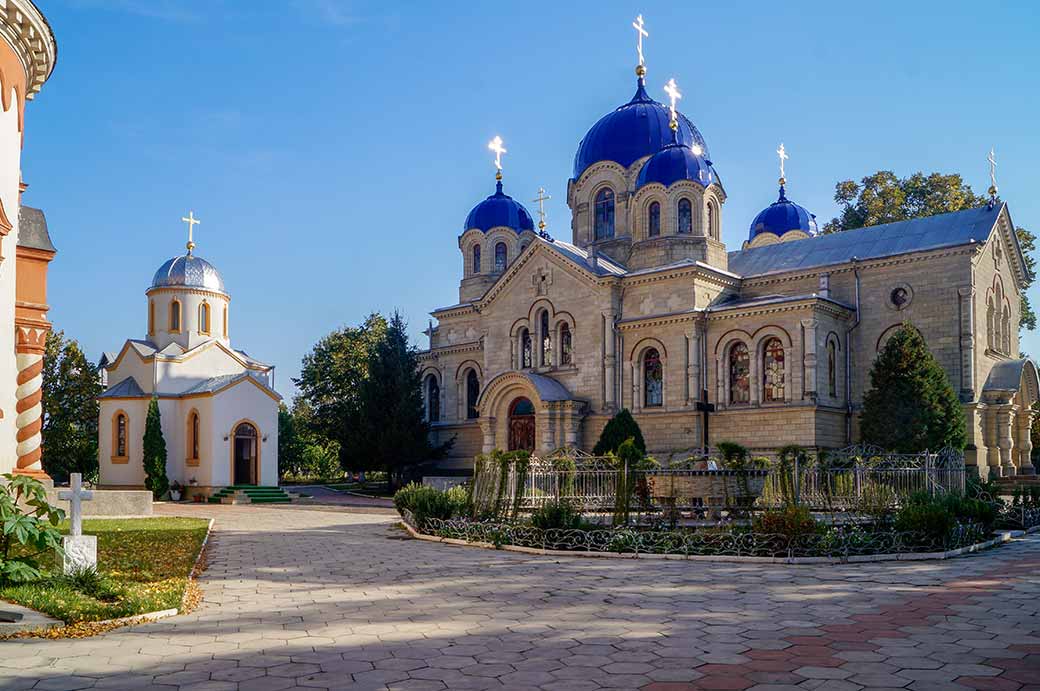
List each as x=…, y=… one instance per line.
x=145, y=561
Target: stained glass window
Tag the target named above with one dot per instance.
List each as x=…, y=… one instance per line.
x=472, y=394
x=476, y=259
x=194, y=435
x=566, y=347
x=500, y=256
x=739, y=374
x=773, y=370
x=604, y=214
x=654, y=220
x=433, y=399
x=653, y=379
x=684, y=217
x=121, y=435
x=525, y=349
x=546, y=339
x=832, y=369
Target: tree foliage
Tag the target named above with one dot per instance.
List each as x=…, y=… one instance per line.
x=618, y=429
x=70, y=410
x=883, y=197
x=330, y=384
x=155, y=452
x=911, y=406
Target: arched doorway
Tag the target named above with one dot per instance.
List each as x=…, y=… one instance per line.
x=244, y=454
x=521, y=425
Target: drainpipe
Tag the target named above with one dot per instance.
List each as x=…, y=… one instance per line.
x=848, y=357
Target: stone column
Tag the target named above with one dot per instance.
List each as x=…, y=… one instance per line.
x=755, y=374
x=809, y=358
x=634, y=377
x=571, y=422
x=1025, y=443
x=1004, y=418
x=487, y=427
x=967, y=330
x=693, y=367
x=544, y=424
x=989, y=438
x=29, y=347
x=609, y=361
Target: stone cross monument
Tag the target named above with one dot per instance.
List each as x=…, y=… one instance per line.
x=80, y=551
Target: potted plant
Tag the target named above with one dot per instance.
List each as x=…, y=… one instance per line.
x=175, y=491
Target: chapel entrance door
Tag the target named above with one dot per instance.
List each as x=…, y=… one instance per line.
x=245, y=456
x=521, y=425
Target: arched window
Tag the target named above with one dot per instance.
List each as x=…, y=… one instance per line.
x=501, y=256
x=433, y=399
x=204, y=318
x=151, y=317
x=653, y=379
x=476, y=259
x=566, y=347
x=653, y=220
x=832, y=369
x=175, y=316
x=193, y=436
x=472, y=394
x=543, y=323
x=604, y=214
x=773, y=370
x=525, y=349
x=739, y=374
x=684, y=217
x=713, y=221
x=120, y=434
x=991, y=340
x=225, y=322
x=1005, y=331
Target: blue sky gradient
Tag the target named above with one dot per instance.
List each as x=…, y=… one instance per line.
x=333, y=149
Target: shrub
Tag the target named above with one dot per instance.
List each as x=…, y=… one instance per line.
x=791, y=521
x=932, y=518
x=91, y=583
x=619, y=429
x=558, y=514
x=29, y=522
x=155, y=452
x=429, y=502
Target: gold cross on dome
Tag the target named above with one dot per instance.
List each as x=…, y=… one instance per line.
x=782, y=153
x=641, y=33
x=541, y=199
x=496, y=146
x=192, y=222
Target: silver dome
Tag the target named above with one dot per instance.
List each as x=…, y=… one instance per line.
x=189, y=271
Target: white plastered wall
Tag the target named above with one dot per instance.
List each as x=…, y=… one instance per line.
x=10, y=167
x=244, y=401
x=132, y=472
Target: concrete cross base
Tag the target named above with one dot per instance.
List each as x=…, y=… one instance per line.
x=80, y=553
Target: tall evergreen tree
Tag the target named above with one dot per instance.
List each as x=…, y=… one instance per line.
x=911, y=406
x=70, y=410
x=619, y=429
x=393, y=432
x=155, y=452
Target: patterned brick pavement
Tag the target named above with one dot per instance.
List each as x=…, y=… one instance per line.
x=312, y=597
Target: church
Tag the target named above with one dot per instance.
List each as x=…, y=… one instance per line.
x=218, y=405
x=644, y=307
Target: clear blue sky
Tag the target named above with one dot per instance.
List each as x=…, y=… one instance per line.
x=333, y=148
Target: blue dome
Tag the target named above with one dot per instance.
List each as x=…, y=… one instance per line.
x=638, y=128
x=499, y=210
x=782, y=216
x=673, y=163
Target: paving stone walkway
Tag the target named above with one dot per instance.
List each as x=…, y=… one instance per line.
x=311, y=597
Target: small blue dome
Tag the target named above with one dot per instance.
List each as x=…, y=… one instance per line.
x=638, y=128
x=782, y=216
x=673, y=163
x=499, y=210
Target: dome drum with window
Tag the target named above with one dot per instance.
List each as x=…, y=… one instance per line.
x=187, y=303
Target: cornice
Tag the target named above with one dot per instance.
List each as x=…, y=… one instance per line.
x=814, y=304
x=188, y=290
x=435, y=353
x=28, y=33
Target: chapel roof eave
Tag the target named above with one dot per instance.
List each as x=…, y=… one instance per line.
x=1008, y=376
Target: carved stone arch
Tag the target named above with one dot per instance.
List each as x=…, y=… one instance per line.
x=432, y=410
x=460, y=371
x=521, y=323
x=722, y=345
x=888, y=333
x=644, y=197
x=537, y=306
x=637, y=375
x=501, y=234
x=834, y=381
x=763, y=336
x=567, y=317
x=764, y=332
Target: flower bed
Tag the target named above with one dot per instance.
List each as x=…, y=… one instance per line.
x=833, y=542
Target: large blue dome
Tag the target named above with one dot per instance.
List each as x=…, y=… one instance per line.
x=673, y=163
x=782, y=216
x=499, y=210
x=638, y=128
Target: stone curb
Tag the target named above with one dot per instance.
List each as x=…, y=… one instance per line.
x=1002, y=537
x=195, y=566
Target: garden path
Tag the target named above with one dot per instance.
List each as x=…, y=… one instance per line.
x=318, y=597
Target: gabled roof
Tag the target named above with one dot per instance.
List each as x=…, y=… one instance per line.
x=873, y=242
x=224, y=381
x=32, y=229
x=128, y=388
x=605, y=266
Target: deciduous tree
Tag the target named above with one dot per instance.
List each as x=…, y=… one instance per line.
x=70, y=410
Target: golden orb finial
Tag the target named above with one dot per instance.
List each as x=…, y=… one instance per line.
x=640, y=71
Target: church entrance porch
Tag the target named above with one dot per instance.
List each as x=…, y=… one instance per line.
x=244, y=455
x=521, y=425
x=529, y=411
x=1005, y=415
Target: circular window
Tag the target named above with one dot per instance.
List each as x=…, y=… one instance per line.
x=900, y=296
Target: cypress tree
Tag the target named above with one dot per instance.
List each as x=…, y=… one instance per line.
x=620, y=428
x=155, y=452
x=911, y=406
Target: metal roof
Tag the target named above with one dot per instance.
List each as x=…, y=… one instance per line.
x=873, y=242
x=128, y=388
x=605, y=266
x=32, y=229
x=499, y=210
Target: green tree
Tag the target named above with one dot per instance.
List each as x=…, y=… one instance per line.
x=911, y=406
x=70, y=410
x=155, y=452
x=885, y=198
x=289, y=443
x=620, y=428
x=330, y=383
x=393, y=434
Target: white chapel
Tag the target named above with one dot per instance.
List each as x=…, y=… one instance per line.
x=218, y=405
